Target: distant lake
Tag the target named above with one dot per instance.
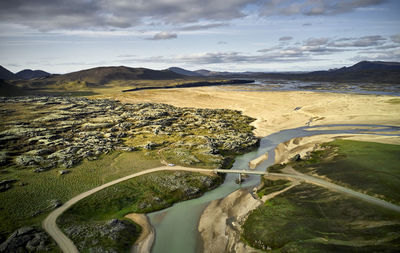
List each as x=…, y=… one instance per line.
x=340, y=87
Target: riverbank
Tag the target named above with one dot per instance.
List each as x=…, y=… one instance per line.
x=146, y=239
x=304, y=145
x=229, y=214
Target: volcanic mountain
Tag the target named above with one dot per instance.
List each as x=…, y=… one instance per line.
x=103, y=75
x=27, y=74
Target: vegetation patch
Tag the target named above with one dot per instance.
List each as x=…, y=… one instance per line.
x=148, y=193
x=34, y=195
x=369, y=167
x=309, y=218
x=270, y=186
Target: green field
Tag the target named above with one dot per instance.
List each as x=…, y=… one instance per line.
x=309, y=218
x=29, y=204
x=141, y=195
x=369, y=167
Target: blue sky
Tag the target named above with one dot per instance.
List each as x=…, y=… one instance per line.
x=61, y=36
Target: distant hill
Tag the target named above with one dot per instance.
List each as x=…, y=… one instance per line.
x=184, y=71
x=103, y=75
x=206, y=72
x=6, y=74
x=371, y=66
x=27, y=74
x=365, y=71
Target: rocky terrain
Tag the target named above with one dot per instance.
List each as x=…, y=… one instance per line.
x=43, y=139
x=114, y=230
x=27, y=239
x=42, y=133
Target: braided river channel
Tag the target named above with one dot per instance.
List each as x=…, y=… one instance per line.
x=176, y=227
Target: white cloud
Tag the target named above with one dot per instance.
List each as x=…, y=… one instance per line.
x=164, y=36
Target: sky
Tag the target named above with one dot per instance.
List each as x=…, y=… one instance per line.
x=61, y=36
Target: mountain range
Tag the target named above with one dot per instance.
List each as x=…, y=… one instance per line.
x=103, y=75
x=25, y=74
x=365, y=71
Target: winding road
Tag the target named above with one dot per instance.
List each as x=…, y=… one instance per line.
x=66, y=245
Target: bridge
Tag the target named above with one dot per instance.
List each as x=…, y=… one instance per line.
x=240, y=172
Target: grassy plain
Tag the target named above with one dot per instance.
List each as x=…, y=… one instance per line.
x=29, y=204
x=369, y=167
x=140, y=195
x=309, y=218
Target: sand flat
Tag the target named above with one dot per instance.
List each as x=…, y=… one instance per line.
x=275, y=111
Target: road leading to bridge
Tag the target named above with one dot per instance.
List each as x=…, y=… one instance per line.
x=66, y=245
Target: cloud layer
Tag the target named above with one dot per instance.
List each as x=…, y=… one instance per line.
x=312, y=49
x=48, y=15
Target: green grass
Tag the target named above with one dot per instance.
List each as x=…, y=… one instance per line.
x=140, y=195
x=308, y=218
x=270, y=186
x=369, y=167
x=276, y=168
x=34, y=197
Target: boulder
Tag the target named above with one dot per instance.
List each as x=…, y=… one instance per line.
x=3, y=158
x=150, y=146
x=26, y=160
x=64, y=172
x=296, y=158
x=26, y=239
x=6, y=184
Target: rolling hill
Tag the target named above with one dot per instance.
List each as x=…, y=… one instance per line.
x=103, y=75
x=185, y=72
x=27, y=74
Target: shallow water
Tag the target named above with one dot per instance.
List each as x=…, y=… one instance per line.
x=176, y=227
x=276, y=85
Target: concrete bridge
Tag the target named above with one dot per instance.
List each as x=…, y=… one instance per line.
x=240, y=172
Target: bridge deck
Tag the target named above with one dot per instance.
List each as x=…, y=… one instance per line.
x=241, y=172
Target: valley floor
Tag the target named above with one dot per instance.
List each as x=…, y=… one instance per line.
x=275, y=111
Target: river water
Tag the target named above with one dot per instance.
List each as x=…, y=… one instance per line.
x=176, y=227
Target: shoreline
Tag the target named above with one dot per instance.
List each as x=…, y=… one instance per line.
x=303, y=145
x=221, y=221
x=146, y=239
x=255, y=162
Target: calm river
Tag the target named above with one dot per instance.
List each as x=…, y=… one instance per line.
x=176, y=227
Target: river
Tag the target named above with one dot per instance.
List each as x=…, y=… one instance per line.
x=176, y=227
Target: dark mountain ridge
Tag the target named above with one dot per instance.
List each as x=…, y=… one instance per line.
x=185, y=72
x=365, y=71
x=5, y=74
x=103, y=75
x=27, y=74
